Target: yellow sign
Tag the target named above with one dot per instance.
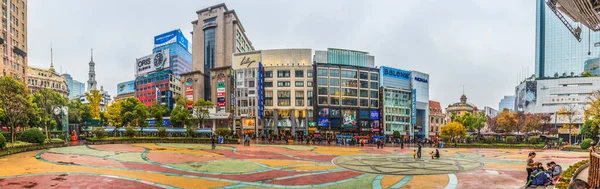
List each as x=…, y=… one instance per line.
x=246, y=60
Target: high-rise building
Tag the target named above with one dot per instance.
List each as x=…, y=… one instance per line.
x=76, y=88
x=217, y=34
x=181, y=58
x=557, y=51
x=14, y=39
x=508, y=102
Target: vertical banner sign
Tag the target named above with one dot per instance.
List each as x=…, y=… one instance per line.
x=261, y=107
x=189, y=91
x=232, y=95
x=221, y=84
x=414, y=106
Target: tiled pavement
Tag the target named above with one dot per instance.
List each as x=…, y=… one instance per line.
x=258, y=166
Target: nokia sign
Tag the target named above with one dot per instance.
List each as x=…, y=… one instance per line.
x=395, y=73
x=421, y=79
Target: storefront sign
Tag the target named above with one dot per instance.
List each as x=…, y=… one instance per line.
x=221, y=99
x=219, y=104
x=414, y=106
x=421, y=80
x=374, y=114
x=312, y=124
x=365, y=129
x=189, y=92
x=246, y=60
x=153, y=62
x=349, y=118
x=396, y=73
x=220, y=93
x=261, y=107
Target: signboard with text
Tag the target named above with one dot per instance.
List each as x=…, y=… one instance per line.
x=153, y=62
x=246, y=60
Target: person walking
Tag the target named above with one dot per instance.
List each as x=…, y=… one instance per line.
x=530, y=164
x=437, y=154
x=213, y=142
x=419, y=150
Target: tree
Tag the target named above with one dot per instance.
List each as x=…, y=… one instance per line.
x=180, y=115
x=47, y=101
x=491, y=123
x=78, y=112
x=200, y=110
x=396, y=134
x=454, y=130
x=532, y=122
x=589, y=129
x=473, y=122
x=103, y=119
x=520, y=118
x=114, y=115
x=546, y=125
x=586, y=74
x=222, y=131
x=506, y=121
x=95, y=97
x=157, y=112
x=569, y=113
x=15, y=103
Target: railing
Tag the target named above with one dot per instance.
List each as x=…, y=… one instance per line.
x=594, y=170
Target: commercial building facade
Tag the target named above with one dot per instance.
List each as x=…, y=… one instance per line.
x=396, y=109
x=347, y=95
x=41, y=78
x=245, y=66
x=13, y=41
x=76, y=88
x=437, y=119
x=420, y=90
x=508, y=102
x=125, y=90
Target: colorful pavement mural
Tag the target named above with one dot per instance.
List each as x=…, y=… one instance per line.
x=263, y=166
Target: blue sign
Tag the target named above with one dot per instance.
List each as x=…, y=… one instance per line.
x=126, y=87
x=395, y=73
x=421, y=80
x=170, y=37
x=414, y=106
x=374, y=114
x=261, y=106
x=323, y=122
x=152, y=122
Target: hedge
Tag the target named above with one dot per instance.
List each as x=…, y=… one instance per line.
x=585, y=144
x=497, y=145
x=59, y=134
x=33, y=135
x=119, y=140
x=2, y=142
x=24, y=147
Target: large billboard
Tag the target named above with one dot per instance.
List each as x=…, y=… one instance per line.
x=246, y=60
x=171, y=37
x=520, y=95
x=126, y=87
x=189, y=92
x=349, y=118
x=153, y=62
x=391, y=77
x=530, y=93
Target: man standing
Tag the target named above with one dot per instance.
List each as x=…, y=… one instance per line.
x=213, y=142
x=419, y=151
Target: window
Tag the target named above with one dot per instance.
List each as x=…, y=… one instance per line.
x=322, y=90
x=374, y=76
x=364, y=102
x=322, y=100
x=374, y=85
x=269, y=74
x=268, y=98
x=349, y=92
x=348, y=74
x=299, y=98
x=374, y=103
x=374, y=94
x=334, y=91
x=251, y=92
x=322, y=81
x=334, y=73
x=334, y=82
x=309, y=73
x=268, y=84
x=250, y=83
x=309, y=95
x=349, y=101
x=364, y=75
x=283, y=83
x=299, y=73
x=283, y=73
x=322, y=72
x=299, y=83
x=309, y=83
x=283, y=98
x=349, y=83
x=335, y=100
x=364, y=84
x=364, y=93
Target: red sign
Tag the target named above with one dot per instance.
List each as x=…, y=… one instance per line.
x=189, y=88
x=220, y=103
x=220, y=94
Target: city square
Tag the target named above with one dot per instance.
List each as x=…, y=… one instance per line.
x=268, y=166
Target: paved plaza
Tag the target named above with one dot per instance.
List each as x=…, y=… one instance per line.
x=261, y=166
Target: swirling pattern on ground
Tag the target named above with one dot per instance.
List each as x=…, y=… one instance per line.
x=405, y=165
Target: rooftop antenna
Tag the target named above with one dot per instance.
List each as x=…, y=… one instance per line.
x=51, y=57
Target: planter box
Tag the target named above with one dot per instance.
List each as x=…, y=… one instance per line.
x=9, y=151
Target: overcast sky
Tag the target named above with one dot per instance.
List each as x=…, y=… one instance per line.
x=482, y=45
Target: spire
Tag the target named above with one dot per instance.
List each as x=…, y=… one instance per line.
x=92, y=55
x=51, y=59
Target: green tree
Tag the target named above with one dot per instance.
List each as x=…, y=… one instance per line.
x=222, y=131
x=15, y=103
x=157, y=112
x=103, y=119
x=200, y=110
x=95, y=97
x=180, y=115
x=48, y=101
x=134, y=113
x=586, y=74
x=590, y=129
x=78, y=112
x=397, y=134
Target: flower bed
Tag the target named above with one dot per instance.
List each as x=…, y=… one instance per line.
x=567, y=175
x=128, y=140
x=24, y=147
x=493, y=145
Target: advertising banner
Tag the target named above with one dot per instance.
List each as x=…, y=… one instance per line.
x=395, y=73
x=126, y=87
x=246, y=60
x=153, y=62
x=323, y=122
x=261, y=107
x=189, y=92
x=374, y=114
x=414, y=107
x=531, y=93
x=171, y=37
x=391, y=77
x=375, y=125
x=349, y=118
x=220, y=93
x=232, y=94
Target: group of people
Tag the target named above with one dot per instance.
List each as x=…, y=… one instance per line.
x=417, y=153
x=538, y=175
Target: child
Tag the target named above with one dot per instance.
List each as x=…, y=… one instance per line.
x=432, y=154
x=414, y=154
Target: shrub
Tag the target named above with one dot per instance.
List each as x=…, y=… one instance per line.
x=469, y=139
x=490, y=139
x=129, y=131
x=99, y=132
x=190, y=132
x=511, y=139
x=397, y=134
x=162, y=132
x=585, y=144
x=222, y=131
x=533, y=139
x=2, y=142
x=446, y=139
x=33, y=135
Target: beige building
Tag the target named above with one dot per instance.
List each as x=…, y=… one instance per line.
x=124, y=96
x=460, y=108
x=14, y=39
x=437, y=119
x=217, y=34
x=38, y=78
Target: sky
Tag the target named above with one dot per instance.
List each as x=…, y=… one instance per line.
x=481, y=45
